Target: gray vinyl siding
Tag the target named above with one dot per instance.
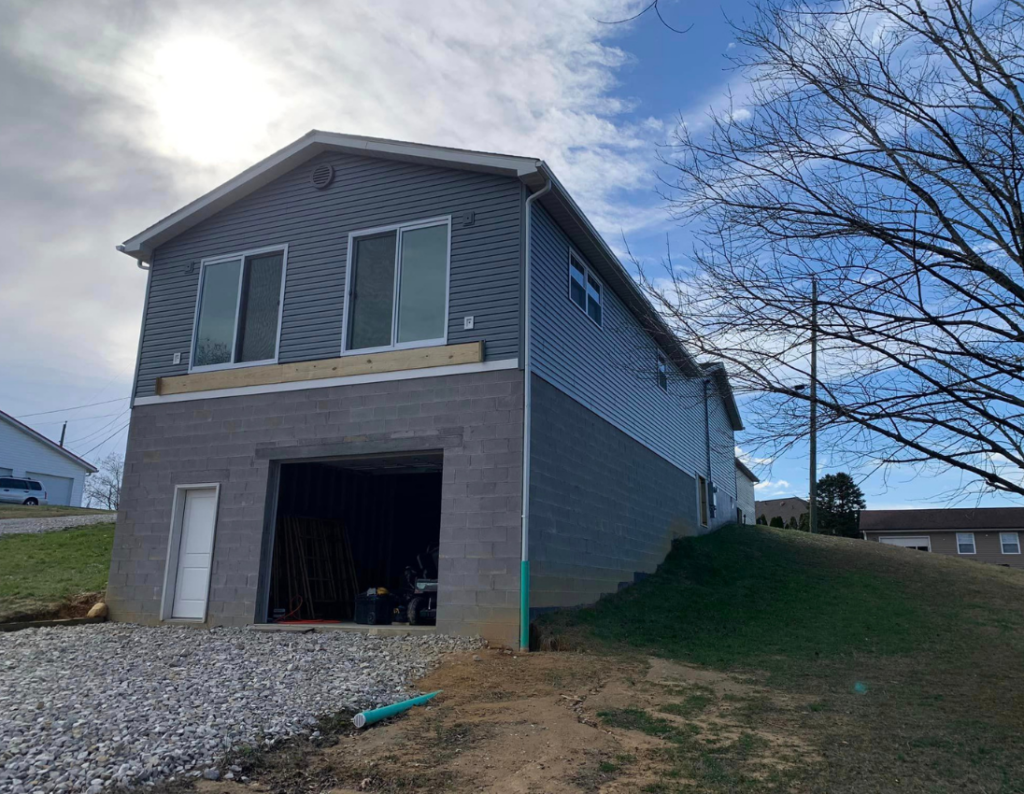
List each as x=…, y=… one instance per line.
x=366, y=193
x=612, y=371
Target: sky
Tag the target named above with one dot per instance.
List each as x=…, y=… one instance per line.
x=114, y=114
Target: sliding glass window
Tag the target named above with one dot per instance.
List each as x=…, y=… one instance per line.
x=239, y=310
x=398, y=287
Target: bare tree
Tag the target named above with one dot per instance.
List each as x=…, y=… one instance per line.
x=880, y=149
x=103, y=489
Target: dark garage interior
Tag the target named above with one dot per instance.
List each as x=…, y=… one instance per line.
x=348, y=525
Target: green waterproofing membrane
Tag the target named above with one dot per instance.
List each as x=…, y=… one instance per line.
x=524, y=605
x=364, y=718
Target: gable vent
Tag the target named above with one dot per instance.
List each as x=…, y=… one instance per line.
x=322, y=176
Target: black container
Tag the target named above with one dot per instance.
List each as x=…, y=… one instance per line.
x=374, y=610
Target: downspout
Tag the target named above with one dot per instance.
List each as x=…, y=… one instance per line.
x=524, y=565
x=707, y=447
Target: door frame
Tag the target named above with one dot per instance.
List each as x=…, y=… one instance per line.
x=174, y=548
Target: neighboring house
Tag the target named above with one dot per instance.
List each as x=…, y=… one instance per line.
x=788, y=509
x=986, y=534
x=26, y=453
x=330, y=387
x=745, y=482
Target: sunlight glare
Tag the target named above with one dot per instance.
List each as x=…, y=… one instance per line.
x=213, y=103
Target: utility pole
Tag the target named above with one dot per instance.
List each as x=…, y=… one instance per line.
x=63, y=430
x=813, y=507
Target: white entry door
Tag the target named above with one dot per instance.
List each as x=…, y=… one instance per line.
x=195, y=554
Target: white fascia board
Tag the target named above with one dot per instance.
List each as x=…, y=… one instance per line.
x=305, y=148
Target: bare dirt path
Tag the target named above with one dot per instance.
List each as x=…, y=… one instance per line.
x=549, y=722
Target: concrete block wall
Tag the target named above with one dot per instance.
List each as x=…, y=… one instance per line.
x=475, y=418
x=602, y=506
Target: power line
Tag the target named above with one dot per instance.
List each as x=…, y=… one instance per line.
x=104, y=441
x=76, y=419
x=99, y=430
x=72, y=408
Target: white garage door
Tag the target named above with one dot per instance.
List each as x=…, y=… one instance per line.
x=6, y=472
x=58, y=489
x=922, y=543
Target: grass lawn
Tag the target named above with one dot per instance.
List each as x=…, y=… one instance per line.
x=893, y=670
x=48, y=511
x=39, y=573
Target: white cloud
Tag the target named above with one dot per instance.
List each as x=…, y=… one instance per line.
x=752, y=460
x=118, y=114
x=769, y=488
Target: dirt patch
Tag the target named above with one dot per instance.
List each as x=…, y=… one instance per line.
x=549, y=722
x=76, y=606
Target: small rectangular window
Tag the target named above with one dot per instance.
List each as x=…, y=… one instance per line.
x=594, y=299
x=36, y=486
x=662, y=372
x=702, y=487
x=577, y=281
x=585, y=289
x=965, y=543
x=398, y=287
x=1009, y=542
x=239, y=310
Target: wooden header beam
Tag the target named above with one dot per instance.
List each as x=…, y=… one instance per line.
x=369, y=364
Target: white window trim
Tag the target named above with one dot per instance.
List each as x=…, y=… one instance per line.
x=174, y=549
x=662, y=364
x=588, y=272
x=882, y=539
x=215, y=260
x=399, y=228
x=974, y=544
x=1016, y=535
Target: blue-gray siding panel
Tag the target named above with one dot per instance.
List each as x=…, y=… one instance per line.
x=612, y=371
x=366, y=192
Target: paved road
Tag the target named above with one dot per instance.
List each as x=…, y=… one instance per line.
x=12, y=526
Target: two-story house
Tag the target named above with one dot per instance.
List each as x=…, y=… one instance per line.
x=364, y=357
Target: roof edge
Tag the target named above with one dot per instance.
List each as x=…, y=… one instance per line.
x=141, y=245
x=720, y=374
x=49, y=442
x=746, y=471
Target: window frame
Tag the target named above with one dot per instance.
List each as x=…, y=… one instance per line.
x=1002, y=548
x=399, y=229
x=974, y=544
x=662, y=371
x=588, y=273
x=220, y=259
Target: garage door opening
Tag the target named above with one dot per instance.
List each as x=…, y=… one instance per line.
x=352, y=525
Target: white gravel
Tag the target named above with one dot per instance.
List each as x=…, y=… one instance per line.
x=13, y=526
x=86, y=708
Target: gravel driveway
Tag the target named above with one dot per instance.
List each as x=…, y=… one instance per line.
x=12, y=526
x=89, y=707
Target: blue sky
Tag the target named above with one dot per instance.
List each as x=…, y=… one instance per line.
x=121, y=113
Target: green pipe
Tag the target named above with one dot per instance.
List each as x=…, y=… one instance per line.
x=364, y=718
x=524, y=605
